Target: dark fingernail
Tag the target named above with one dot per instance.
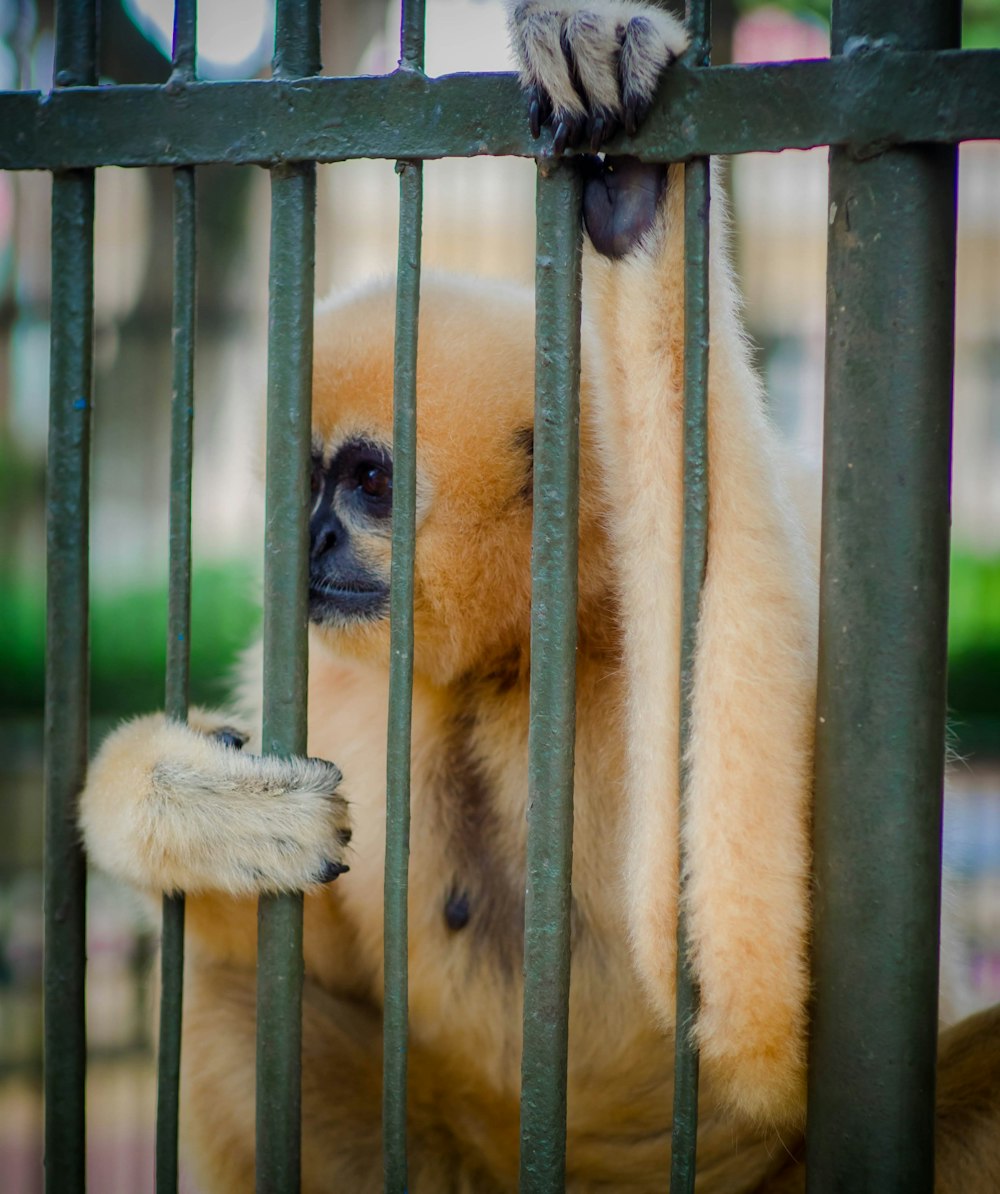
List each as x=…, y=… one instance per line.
x=636, y=114
x=596, y=134
x=560, y=139
x=330, y=870
x=535, y=118
x=230, y=738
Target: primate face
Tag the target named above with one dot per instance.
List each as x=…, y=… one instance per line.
x=472, y=554
x=351, y=514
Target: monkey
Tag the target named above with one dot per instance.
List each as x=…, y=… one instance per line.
x=196, y=808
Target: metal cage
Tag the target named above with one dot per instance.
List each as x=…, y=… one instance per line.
x=891, y=102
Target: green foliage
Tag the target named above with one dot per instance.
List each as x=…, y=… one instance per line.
x=22, y=479
x=974, y=602
x=128, y=642
x=974, y=653
x=981, y=24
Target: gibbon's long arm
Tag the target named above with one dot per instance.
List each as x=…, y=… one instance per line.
x=746, y=834
x=168, y=808
x=754, y=687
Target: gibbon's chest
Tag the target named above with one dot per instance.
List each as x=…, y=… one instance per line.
x=467, y=872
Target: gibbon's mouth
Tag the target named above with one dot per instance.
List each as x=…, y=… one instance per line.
x=332, y=602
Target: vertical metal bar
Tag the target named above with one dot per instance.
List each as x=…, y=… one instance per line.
x=404, y=529
x=76, y=43
x=279, y=961
x=697, y=198
x=185, y=48
x=67, y=675
x=551, y=736
x=286, y=552
x=397, y=820
x=883, y=606
x=179, y=604
x=67, y=663
x=411, y=35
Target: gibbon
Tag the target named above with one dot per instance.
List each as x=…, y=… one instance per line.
x=195, y=808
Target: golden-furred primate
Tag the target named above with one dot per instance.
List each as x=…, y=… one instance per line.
x=194, y=808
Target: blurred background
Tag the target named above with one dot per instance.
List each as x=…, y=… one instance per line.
x=478, y=219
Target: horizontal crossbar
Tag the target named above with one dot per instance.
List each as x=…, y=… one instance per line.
x=867, y=101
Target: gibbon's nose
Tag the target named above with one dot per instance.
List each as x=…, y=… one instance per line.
x=326, y=533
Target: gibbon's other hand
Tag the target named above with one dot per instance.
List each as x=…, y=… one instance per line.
x=590, y=66
x=169, y=807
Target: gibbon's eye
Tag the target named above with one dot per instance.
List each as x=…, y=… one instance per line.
x=316, y=477
x=374, y=482
x=363, y=472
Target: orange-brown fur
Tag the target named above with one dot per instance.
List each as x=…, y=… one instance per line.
x=749, y=760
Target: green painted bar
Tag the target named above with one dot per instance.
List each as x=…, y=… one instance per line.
x=178, y=656
x=553, y=678
x=697, y=198
x=76, y=44
x=695, y=549
x=404, y=529
x=67, y=678
x=296, y=39
x=286, y=595
x=185, y=47
x=868, y=101
x=397, y=819
x=179, y=605
x=286, y=553
x=67, y=658
x=883, y=607
x=411, y=35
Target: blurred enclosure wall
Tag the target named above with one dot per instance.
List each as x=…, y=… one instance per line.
x=478, y=219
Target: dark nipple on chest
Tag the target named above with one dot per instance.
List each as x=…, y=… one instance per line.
x=456, y=909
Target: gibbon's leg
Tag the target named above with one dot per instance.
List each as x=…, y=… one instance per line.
x=967, y=1140
x=341, y=1095
x=967, y=1132
x=341, y=1085
x=168, y=807
x=754, y=685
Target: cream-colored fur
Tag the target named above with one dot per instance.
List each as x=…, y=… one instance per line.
x=168, y=808
x=750, y=757
x=643, y=36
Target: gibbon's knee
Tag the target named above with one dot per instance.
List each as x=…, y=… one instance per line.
x=341, y=1094
x=341, y=1084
